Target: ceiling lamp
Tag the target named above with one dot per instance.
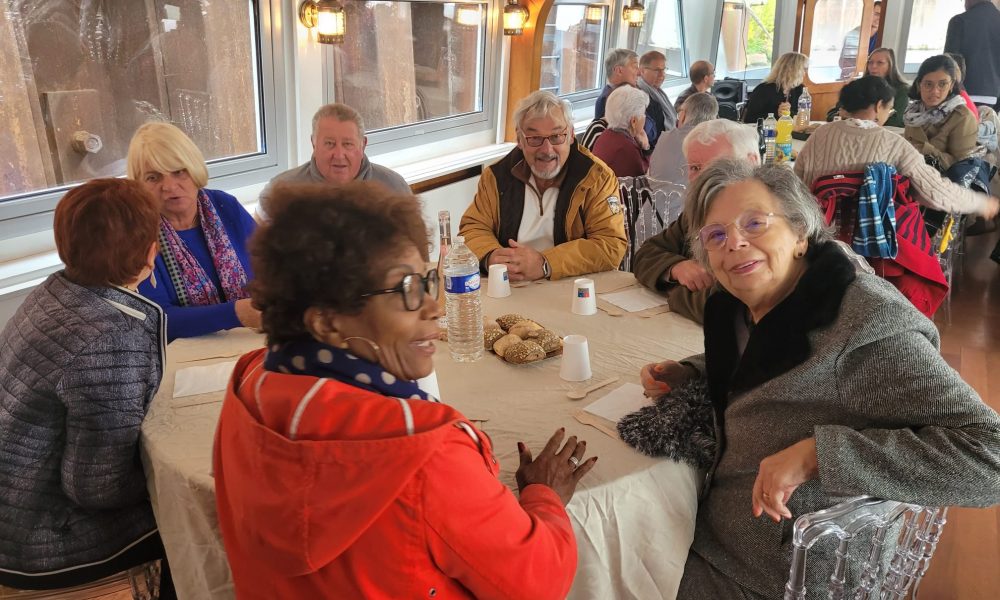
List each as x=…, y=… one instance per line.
x=327, y=17
x=634, y=14
x=515, y=17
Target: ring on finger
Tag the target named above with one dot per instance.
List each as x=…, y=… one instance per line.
x=574, y=461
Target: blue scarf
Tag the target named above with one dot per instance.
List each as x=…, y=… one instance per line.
x=310, y=357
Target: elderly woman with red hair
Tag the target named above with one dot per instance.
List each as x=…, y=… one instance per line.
x=80, y=361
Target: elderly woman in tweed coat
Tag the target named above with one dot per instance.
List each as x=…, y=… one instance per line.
x=825, y=382
x=80, y=361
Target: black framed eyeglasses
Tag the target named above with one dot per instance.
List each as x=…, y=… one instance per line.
x=751, y=224
x=413, y=287
x=537, y=140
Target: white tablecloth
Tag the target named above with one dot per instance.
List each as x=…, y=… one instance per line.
x=633, y=515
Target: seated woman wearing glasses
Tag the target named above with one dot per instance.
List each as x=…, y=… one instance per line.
x=849, y=145
x=810, y=369
x=336, y=475
x=939, y=124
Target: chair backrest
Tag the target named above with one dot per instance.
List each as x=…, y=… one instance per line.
x=890, y=567
x=650, y=206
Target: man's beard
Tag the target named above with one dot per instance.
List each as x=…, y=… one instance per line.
x=551, y=173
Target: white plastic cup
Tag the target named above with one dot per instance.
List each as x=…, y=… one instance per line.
x=584, y=297
x=575, y=364
x=498, y=283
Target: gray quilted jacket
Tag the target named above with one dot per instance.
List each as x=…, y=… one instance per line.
x=78, y=368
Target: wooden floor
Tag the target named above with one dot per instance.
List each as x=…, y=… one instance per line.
x=967, y=563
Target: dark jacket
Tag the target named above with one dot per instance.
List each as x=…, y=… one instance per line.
x=835, y=361
x=975, y=34
x=765, y=99
x=78, y=368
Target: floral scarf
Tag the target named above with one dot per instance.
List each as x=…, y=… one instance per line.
x=310, y=357
x=193, y=286
x=918, y=115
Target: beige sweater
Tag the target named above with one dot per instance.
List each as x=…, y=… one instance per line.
x=850, y=145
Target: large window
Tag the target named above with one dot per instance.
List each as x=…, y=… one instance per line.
x=928, y=27
x=746, y=38
x=836, y=40
x=412, y=67
x=78, y=78
x=573, y=49
x=664, y=31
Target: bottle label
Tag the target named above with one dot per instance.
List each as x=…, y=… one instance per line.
x=461, y=284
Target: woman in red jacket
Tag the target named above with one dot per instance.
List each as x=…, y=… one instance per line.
x=623, y=145
x=336, y=475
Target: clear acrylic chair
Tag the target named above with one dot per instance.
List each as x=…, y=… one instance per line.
x=890, y=567
x=142, y=582
x=650, y=206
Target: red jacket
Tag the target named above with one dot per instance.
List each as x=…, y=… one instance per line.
x=621, y=153
x=323, y=493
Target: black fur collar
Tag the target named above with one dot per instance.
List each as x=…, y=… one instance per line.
x=779, y=342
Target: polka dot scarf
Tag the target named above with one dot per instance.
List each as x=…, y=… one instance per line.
x=309, y=357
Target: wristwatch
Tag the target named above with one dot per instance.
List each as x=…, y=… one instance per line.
x=546, y=269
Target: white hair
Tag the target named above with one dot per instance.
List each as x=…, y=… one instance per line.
x=541, y=103
x=699, y=108
x=742, y=138
x=624, y=103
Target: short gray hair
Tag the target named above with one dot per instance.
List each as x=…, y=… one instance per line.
x=742, y=138
x=340, y=112
x=623, y=104
x=542, y=103
x=699, y=108
x=797, y=204
x=618, y=57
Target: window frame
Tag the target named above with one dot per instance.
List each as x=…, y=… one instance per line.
x=32, y=212
x=904, y=40
x=402, y=137
x=685, y=53
x=755, y=74
x=586, y=98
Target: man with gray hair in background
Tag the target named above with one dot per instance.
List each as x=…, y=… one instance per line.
x=338, y=156
x=667, y=161
x=664, y=263
x=549, y=209
x=621, y=66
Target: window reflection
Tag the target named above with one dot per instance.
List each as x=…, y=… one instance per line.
x=662, y=32
x=406, y=62
x=836, y=38
x=928, y=29
x=78, y=78
x=573, y=48
x=746, y=40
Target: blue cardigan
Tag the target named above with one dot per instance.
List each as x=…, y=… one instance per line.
x=191, y=321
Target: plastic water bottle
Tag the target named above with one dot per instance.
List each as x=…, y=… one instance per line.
x=783, y=138
x=770, y=132
x=805, y=110
x=465, y=311
x=444, y=227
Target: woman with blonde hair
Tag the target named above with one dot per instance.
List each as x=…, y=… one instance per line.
x=783, y=84
x=203, y=267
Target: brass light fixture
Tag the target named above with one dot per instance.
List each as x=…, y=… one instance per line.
x=515, y=16
x=594, y=13
x=327, y=16
x=468, y=15
x=634, y=14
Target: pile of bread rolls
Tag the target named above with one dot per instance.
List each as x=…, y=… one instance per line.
x=520, y=340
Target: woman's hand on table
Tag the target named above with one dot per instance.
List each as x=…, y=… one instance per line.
x=247, y=314
x=559, y=469
x=659, y=378
x=780, y=475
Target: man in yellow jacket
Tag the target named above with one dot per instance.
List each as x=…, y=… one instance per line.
x=549, y=209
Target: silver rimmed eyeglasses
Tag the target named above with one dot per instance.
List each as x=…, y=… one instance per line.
x=413, y=287
x=750, y=223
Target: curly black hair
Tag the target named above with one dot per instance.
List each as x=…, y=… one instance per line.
x=322, y=248
x=867, y=91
